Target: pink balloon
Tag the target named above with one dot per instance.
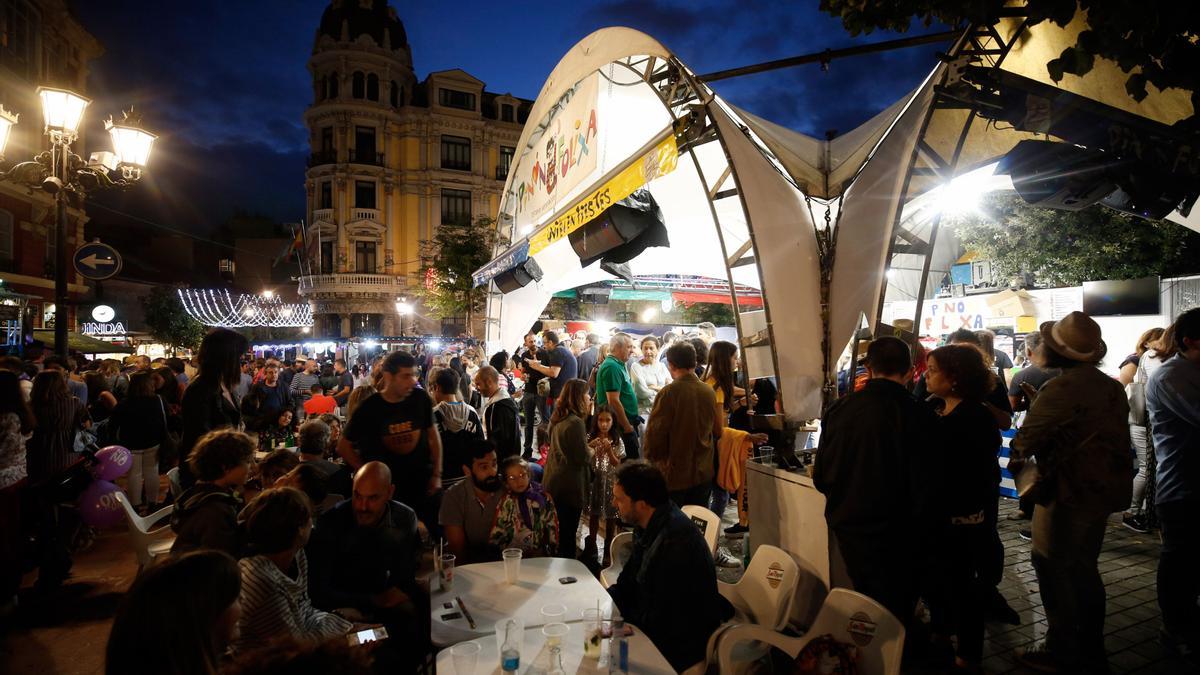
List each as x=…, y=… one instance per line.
x=114, y=462
x=98, y=504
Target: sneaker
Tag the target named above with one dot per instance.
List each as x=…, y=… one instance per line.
x=1018, y=515
x=1135, y=523
x=724, y=558
x=736, y=531
x=1039, y=658
x=1025, y=534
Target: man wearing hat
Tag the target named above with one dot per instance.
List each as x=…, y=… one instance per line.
x=1077, y=433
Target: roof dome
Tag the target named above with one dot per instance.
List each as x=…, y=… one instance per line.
x=346, y=20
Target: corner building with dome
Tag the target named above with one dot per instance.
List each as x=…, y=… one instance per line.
x=392, y=159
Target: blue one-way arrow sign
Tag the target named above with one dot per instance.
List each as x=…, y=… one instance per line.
x=97, y=261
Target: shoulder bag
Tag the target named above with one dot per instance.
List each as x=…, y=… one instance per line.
x=1135, y=391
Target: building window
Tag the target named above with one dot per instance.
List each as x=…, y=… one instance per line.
x=364, y=194
x=456, y=153
x=373, y=87
x=456, y=207
x=332, y=88
x=18, y=35
x=506, y=113
x=326, y=256
x=452, y=98
x=364, y=257
x=364, y=145
x=326, y=140
x=325, y=201
x=358, y=85
x=505, y=164
x=328, y=325
x=6, y=241
x=365, y=325
x=396, y=93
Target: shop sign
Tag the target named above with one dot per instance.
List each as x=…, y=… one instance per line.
x=940, y=317
x=96, y=328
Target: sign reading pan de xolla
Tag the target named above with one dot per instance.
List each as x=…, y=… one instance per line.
x=658, y=162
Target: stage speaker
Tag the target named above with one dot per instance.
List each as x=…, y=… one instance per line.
x=522, y=275
x=595, y=295
x=621, y=231
x=1058, y=175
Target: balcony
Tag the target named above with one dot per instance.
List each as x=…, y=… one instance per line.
x=326, y=215
x=363, y=214
x=322, y=157
x=369, y=157
x=351, y=283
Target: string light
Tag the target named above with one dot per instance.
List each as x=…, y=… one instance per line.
x=219, y=308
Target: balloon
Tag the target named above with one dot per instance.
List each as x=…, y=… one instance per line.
x=98, y=504
x=113, y=462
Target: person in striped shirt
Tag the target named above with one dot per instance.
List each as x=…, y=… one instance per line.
x=302, y=384
x=275, y=576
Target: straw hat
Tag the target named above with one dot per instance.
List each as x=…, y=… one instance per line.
x=1075, y=336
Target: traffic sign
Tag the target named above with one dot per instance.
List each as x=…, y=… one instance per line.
x=97, y=261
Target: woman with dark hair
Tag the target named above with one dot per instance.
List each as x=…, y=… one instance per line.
x=177, y=618
x=208, y=403
x=1077, y=429
x=16, y=421
x=101, y=400
x=567, y=467
x=464, y=382
x=967, y=440
x=140, y=424
x=59, y=417
x=503, y=366
x=275, y=598
x=167, y=386
x=718, y=374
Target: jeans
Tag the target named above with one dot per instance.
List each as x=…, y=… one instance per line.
x=534, y=408
x=697, y=495
x=1141, y=446
x=632, y=447
x=143, y=476
x=1179, y=567
x=720, y=500
x=1066, y=546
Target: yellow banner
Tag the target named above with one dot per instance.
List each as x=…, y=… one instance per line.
x=658, y=162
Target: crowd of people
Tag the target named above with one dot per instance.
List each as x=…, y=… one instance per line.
x=309, y=492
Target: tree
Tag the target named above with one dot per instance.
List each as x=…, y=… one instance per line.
x=444, y=280
x=716, y=313
x=169, y=322
x=1153, y=43
x=1066, y=248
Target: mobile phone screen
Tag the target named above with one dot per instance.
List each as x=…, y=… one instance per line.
x=368, y=635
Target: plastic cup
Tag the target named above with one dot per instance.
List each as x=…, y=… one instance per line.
x=512, y=564
x=446, y=572
x=553, y=614
x=592, y=633
x=555, y=632
x=465, y=656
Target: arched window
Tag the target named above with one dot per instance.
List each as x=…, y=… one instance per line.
x=333, y=86
x=358, y=85
x=319, y=89
x=396, y=94
x=373, y=87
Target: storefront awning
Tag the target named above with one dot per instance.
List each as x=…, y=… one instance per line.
x=83, y=344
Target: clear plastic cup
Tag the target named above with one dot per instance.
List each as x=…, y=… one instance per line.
x=465, y=656
x=555, y=632
x=446, y=572
x=553, y=613
x=512, y=564
x=592, y=633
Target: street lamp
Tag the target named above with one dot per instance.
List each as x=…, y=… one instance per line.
x=403, y=308
x=68, y=178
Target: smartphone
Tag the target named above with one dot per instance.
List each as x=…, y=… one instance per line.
x=367, y=635
x=452, y=616
x=567, y=580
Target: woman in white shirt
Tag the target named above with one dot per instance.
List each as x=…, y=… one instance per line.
x=649, y=376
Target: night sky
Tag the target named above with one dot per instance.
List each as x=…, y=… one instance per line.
x=224, y=83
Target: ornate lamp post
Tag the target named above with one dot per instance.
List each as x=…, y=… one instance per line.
x=68, y=178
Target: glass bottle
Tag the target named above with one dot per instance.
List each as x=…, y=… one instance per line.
x=618, y=647
x=556, y=664
x=510, y=654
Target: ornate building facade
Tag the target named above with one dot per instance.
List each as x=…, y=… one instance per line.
x=392, y=159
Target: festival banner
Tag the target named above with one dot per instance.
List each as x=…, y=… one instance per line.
x=565, y=154
x=658, y=162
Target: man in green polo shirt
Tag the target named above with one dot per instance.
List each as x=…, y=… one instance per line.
x=615, y=390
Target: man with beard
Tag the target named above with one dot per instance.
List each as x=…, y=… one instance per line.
x=669, y=585
x=469, y=507
x=363, y=556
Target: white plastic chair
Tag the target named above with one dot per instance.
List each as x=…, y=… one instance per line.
x=755, y=597
x=147, y=543
x=622, y=546
x=711, y=524
x=850, y=617
x=173, y=483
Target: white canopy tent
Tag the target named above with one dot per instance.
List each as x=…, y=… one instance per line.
x=824, y=229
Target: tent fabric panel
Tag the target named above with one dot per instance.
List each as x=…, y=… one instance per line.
x=787, y=257
x=865, y=224
x=692, y=297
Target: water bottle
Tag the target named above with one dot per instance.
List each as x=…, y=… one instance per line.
x=618, y=647
x=510, y=655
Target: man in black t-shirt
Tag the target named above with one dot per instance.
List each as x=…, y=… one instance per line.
x=345, y=383
x=560, y=364
x=395, y=426
x=533, y=405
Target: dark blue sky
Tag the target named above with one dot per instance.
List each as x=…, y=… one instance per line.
x=224, y=83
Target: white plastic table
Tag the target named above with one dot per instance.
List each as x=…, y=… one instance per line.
x=644, y=657
x=489, y=598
